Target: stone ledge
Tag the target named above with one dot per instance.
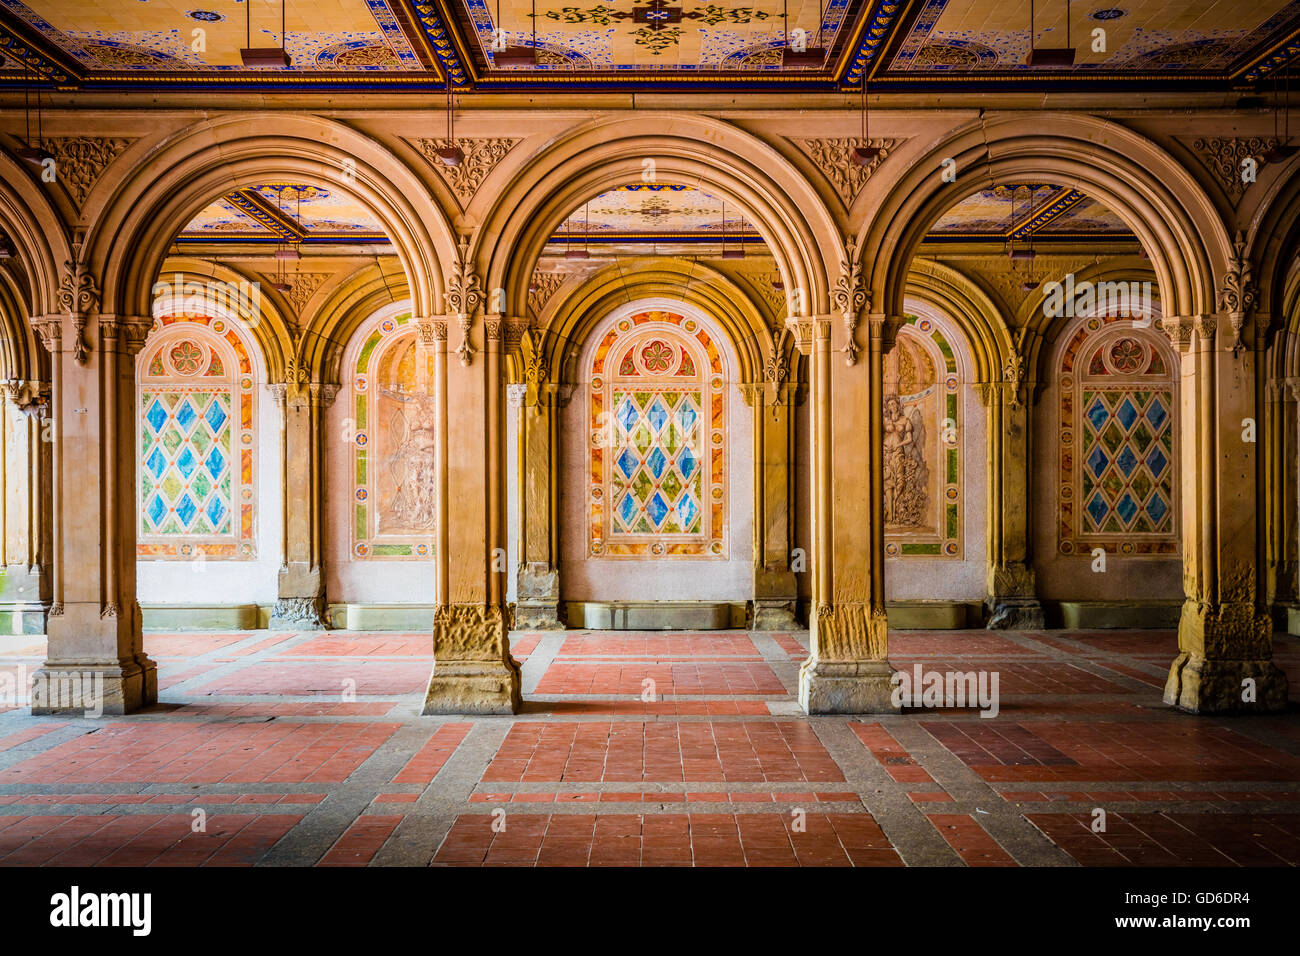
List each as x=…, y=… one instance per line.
x=1087, y=615
x=932, y=615
x=656, y=615
x=203, y=617
x=382, y=617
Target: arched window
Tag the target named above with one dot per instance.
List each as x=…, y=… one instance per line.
x=392, y=434
x=1118, y=440
x=197, y=436
x=922, y=439
x=657, y=452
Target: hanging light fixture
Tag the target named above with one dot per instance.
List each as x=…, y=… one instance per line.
x=865, y=154
x=739, y=251
x=1014, y=254
x=579, y=253
x=451, y=154
x=1283, y=150
x=264, y=55
x=814, y=55
x=513, y=56
x=32, y=152
x=1049, y=56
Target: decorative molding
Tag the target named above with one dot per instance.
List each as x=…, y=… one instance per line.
x=481, y=157
x=79, y=161
x=1013, y=370
x=303, y=286
x=79, y=297
x=1223, y=158
x=1179, y=329
x=464, y=293
x=1237, y=293
x=541, y=288
x=834, y=157
x=30, y=398
x=777, y=367
x=849, y=297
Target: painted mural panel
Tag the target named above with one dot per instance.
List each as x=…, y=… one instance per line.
x=922, y=450
x=392, y=434
x=196, y=436
x=657, y=452
x=1118, y=453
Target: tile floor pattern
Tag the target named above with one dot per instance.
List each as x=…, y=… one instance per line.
x=645, y=749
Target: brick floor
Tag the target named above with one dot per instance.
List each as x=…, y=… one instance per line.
x=302, y=749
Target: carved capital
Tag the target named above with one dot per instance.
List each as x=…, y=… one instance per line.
x=1180, y=329
x=849, y=297
x=49, y=328
x=1237, y=292
x=464, y=288
x=79, y=298
x=432, y=331
x=30, y=398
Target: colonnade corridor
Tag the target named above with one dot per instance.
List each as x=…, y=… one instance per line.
x=661, y=748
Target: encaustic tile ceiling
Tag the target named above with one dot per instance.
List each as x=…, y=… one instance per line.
x=612, y=44
x=644, y=214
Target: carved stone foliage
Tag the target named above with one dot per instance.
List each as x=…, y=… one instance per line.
x=481, y=157
x=542, y=287
x=848, y=297
x=1237, y=293
x=79, y=161
x=303, y=286
x=1224, y=157
x=78, y=298
x=834, y=157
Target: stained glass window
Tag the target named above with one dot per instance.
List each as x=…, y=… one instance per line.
x=1118, y=463
x=392, y=436
x=196, y=438
x=657, y=450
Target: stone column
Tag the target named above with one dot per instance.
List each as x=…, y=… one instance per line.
x=776, y=592
x=1283, y=455
x=1225, y=632
x=25, y=433
x=537, y=577
x=1010, y=595
x=846, y=671
x=95, y=656
x=473, y=672
x=300, y=600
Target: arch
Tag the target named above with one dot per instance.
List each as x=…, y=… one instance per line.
x=569, y=317
x=142, y=216
x=38, y=233
x=1156, y=197
x=21, y=356
x=964, y=303
x=345, y=308
x=775, y=196
x=1273, y=244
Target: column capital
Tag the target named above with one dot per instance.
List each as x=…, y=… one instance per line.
x=1184, y=330
x=806, y=328
x=128, y=332
x=1293, y=389
x=432, y=329
x=32, y=398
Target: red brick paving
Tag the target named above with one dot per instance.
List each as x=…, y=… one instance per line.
x=1176, y=839
x=358, y=677
x=972, y=843
x=424, y=766
x=658, y=645
x=361, y=842
x=565, y=677
x=365, y=646
x=896, y=761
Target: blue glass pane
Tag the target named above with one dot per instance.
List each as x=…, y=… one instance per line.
x=215, y=511
x=627, y=462
x=1156, y=461
x=185, y=415
x=627, y=509
x=156, y=464
x=216, y=416
x=657, y=462
x=1097, y=461
x=1156, y=414
x=627, y=413
x=1127, y=413
x=1127, y=461
x=657, y=415
x=1157, y=509
x=156, y=510
x=686, y=416
x=686, y=461
x=186, y=463
x=656, y=508
x=1127, y=507
x=156, y=415
x=686, y=511
x=216, y=463
x=1097, y=414
x=1097, y=507
x=186, y=509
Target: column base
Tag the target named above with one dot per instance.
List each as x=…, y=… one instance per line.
x=94, y=688
x=847, y=687
x=1201, y=686
x=537, y=616
x=298, y=614
x=473, y=672
x=775, y=616
x=1015, y=614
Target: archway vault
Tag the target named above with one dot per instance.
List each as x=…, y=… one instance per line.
x=696, y=150
x=146, y=210
x=1156, y=197
x=568, y=319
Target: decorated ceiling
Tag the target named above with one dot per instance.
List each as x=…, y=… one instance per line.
x=655, y=212
x=285, y=212
x=589, y=44
x=1026, y=210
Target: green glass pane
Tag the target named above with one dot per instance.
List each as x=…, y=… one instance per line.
x=201, y=485
x=201, y=439
x=671, y=487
